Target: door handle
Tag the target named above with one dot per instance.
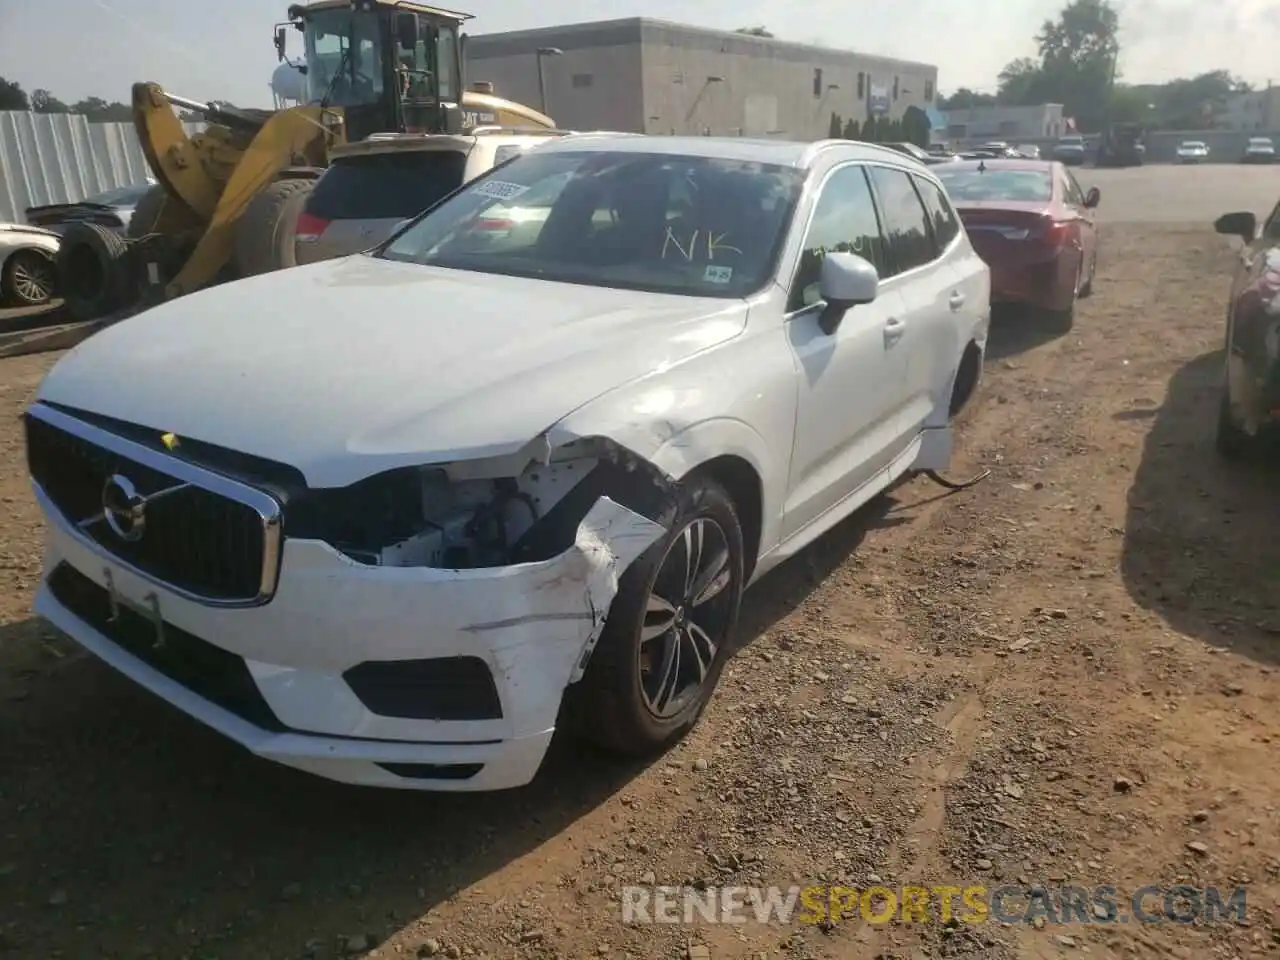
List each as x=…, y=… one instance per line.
x=957, y=300
x=893, y=329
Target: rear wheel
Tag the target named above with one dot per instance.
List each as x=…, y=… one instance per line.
x=29, y=279
x=265, y=232
x=668, y=632
x=1063, y=320
x=1231, y=441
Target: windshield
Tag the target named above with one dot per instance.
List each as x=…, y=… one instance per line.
x=1019, y=185
x=347, y=46
x=1260, y=141
x=699, y=226
x=1193, y=144
x=121, y=197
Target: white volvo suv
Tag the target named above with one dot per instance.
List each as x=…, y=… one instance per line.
x=394, y=518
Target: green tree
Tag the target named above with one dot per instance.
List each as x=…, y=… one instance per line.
x=42, y=101
x=12, y=96
x=916, y=126
x=966, y=99
x=851, y=129
x=98, y=110
x=1078, y=54
x=833, y=131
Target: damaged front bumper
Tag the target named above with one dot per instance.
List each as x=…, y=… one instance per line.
x=410, y=677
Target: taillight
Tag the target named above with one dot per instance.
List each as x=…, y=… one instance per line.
x=309, y=227
x=1054, y=233
x=494, y=223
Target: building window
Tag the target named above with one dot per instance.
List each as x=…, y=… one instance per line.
x=862, y=81
x=895, y=88
x=581, y=80
x=928, y=91
x=817, y=82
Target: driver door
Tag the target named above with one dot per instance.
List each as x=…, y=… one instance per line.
x=852, y=380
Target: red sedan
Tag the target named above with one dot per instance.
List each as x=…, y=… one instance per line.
x=1032, y=224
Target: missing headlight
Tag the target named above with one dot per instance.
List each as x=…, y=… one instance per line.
x=448, y=517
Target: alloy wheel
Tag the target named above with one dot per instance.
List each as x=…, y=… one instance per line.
x=33, y=277
x=686, y=618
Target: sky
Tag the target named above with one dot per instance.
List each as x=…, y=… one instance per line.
x=221, y=49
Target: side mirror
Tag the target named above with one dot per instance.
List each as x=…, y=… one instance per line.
x=1242, y=224
x=279, y=42
x=846, y=281
x=407, y=30
x=1092, y=198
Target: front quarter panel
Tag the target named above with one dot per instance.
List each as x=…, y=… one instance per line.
x=13, y=240
x=737, y=399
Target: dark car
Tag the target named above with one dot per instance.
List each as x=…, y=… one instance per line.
x=1249, y=408
x=112, y=209
x=1033, y=225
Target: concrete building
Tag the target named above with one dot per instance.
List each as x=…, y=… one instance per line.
x=1006, y=123
x=1257, y=110
x=649, y=76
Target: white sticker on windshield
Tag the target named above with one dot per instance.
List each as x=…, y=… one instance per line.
x=498, y=189
x=717, y=274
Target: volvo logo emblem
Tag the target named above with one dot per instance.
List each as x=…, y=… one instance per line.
x=124, y=508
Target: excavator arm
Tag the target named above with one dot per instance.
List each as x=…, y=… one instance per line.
x=216, y=173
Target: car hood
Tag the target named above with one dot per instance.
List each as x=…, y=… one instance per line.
x=353, y=366
x=26, y=229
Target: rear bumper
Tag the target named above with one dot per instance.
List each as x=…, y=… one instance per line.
x=1045, y=285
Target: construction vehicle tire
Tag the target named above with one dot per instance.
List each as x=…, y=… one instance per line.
x=147, y=212
x=93, y=271
x=265, y=231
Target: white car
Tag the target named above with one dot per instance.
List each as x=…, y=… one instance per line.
x=388, y=518
x=1259, y=150
x=1192, y=151
x=28, y=270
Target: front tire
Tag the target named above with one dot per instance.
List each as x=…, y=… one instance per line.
x=29, y=279
x=669, y=630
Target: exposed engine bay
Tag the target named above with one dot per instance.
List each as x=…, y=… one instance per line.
x=461, y=516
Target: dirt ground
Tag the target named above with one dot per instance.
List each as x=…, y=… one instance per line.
x=1067, y=674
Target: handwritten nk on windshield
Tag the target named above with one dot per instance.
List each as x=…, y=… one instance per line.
x=714, y=242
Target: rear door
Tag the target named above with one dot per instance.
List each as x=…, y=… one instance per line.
x=360, y=199
x=915, y=269
x=969, y=294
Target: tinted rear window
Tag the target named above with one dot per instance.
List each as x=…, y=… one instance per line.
x=1021, y=185
x=386, y=186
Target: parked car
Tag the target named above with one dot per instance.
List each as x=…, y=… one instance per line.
x=1259, y=150
x=458, y=483
x=1249, y=405
x=1033, y=224
x=28, y=272
x=1191, y=151
x=1070, y=150
x=112, y=209
x=919, y=153
x=374, y=185
x=1028, y=150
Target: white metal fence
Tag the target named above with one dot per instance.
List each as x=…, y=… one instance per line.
x=62, y=158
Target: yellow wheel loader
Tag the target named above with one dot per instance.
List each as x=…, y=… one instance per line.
x=226, y=199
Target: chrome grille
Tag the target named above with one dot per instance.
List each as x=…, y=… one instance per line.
x=205, y=536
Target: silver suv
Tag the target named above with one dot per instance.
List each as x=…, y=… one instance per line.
x=374, y=185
